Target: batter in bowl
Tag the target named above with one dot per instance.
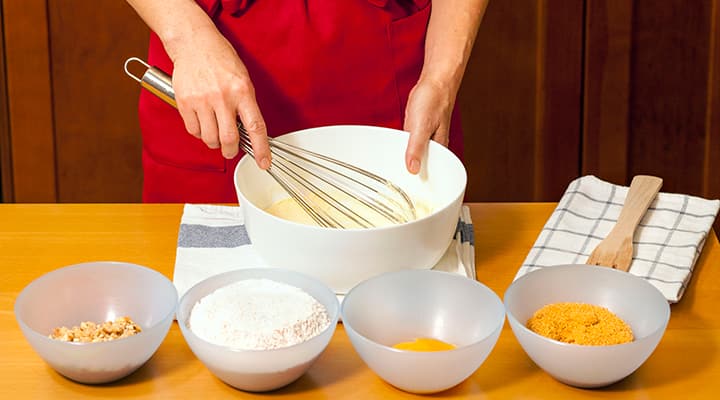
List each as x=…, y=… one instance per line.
x=290, y=210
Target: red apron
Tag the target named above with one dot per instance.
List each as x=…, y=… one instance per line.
x=312, y=62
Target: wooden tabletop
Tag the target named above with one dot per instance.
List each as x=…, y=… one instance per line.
x=35, y=239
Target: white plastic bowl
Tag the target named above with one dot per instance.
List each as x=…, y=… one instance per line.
x=97, y=292
x=258, y=370
x=634, y=300
x=399, y=306
x=343, y=258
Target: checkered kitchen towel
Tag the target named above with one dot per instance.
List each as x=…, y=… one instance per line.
x=667, y=242
x=212, y=239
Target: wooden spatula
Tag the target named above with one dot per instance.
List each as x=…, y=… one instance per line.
x=616, y=250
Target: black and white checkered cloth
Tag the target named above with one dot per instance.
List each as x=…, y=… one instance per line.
x=212, y=239
x=667, y=242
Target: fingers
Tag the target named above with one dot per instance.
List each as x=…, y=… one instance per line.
x=214, y=120
x=190, y=118
x=414, y=153
x=420, y=133
x=254, y=125
x=417, y=146
x=427, y=116
x=227, y=132
x=200, y=120
x=208, y=126
x=442, y=135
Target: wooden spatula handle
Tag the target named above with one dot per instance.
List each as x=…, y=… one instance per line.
x=643, y=190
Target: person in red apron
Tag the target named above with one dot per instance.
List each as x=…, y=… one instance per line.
x=285, y=65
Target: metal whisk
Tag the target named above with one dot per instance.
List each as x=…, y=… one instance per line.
x=334, y=193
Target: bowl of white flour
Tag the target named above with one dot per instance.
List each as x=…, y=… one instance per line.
x=258, y=329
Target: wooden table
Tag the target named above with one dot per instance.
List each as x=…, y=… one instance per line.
x=35, y=239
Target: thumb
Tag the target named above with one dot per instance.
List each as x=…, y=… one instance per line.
x=417, y=144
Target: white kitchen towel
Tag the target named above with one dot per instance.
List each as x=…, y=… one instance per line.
x=667, y=242
x=212, y=239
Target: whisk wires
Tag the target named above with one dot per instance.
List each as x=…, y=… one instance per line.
x=334, y=193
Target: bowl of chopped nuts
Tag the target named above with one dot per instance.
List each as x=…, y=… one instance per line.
x=586, y=326
x=97, y=322
x=258, y=329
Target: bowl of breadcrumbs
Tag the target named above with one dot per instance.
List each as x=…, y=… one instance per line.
x=586, y=326
x=97, y=322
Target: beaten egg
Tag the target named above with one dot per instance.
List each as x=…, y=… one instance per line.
x=424, y=344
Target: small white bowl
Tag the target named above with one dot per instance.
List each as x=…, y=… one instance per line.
x=258, y=370
x=633, y=299
x=342, y=258
x=400, y=306
x=97, y=292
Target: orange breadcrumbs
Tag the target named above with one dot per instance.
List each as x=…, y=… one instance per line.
x=580, y=323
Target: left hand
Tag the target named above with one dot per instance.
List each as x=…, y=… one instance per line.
x=427, y=116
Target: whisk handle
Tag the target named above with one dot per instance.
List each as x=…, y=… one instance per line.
x=157, y=81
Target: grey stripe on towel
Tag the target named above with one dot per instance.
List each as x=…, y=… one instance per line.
x=203, y=236
x=192, y=235
x=467, y=235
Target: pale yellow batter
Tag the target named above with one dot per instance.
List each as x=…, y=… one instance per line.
x=290, y=210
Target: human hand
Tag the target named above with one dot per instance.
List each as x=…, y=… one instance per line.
x=427, y=116
x=212, y=89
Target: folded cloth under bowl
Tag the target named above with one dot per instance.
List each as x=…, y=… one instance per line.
x=212, y=240
x=667, y=242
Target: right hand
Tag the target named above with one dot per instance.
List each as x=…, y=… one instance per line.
x=212, y=89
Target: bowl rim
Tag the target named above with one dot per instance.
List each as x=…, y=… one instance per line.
x=246, y=158
x=186, y=330
x=50, y=274
x=450, y=275
x=626, y=275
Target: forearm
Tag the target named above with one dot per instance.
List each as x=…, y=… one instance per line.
x=450, y=37
x=212, y=86
x=176, y=22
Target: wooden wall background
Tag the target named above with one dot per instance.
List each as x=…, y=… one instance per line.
x=73, y=126
x=555, y=89
x=522, y=101
x=652, y=92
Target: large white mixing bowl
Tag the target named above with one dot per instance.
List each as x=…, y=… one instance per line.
x=342, y=258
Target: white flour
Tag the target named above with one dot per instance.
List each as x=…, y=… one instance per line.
x=258, y=314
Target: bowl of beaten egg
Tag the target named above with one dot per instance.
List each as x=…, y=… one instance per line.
x=586, y=326
x=342, y=258
x=422, y=331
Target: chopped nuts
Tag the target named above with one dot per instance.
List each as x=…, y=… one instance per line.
x=91, y=332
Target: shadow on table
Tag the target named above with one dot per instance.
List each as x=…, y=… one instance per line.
x=169, y=359
x=334, y=365
x=667, y=365
x=669, y=362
